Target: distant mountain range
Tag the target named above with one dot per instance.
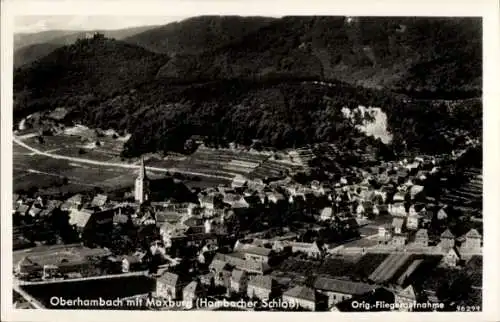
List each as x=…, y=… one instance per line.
x=141, y=70
x=29, y=47
x=405, y=53
x=197, y=34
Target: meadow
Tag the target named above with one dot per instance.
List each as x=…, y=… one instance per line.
x=58, y=176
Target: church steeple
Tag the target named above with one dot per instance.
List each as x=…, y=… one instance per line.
x=141, y=184
x=142, y=172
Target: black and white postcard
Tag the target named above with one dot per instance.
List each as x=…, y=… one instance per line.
x=161, y=158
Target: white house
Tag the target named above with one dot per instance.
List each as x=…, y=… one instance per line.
x=397, y=209
x=451, y=258
x=326, y=214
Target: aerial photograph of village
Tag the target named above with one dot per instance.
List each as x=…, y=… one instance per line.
x=248, y=163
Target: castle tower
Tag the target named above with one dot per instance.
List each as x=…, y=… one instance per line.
x=141, y=185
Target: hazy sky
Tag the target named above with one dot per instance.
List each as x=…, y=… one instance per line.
x=29, y=24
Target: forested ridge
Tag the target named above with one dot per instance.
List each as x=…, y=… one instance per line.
x=260, y=86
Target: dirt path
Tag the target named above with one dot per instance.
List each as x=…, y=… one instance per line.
x=111, y=164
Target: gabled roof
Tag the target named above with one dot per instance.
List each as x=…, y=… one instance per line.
x=237, y=275
x=239, y=181
x=327, y=212
x=239, y=262
x=453, y=252
x=169, y=278
x=27, y=262
x=256, y=250
x=217, y=264
x=35, y=211
x=79, y=218
x=275, y=194
x=99, y=200
x=408, y=292
x=303, y=245
x=207, y=199
x=206, y=277
x=54, y=203
x=399, y=196
x=193, y=222
x=47, y=211
x=22, y=209
x=301, y=292
x=473, y=233
x=342, y=286
x=447, y=234
x=191, y=287
x=76, y=199
x=416, y=189
x=442, y=213
x=232, y=197
x=261, y=281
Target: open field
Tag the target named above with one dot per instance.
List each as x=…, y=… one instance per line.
x=469, y=196
x=49, y=174
x=39, y=171
x=222, y=162
x=57, y=171
x=53, y=143
x=47, y=253
x=229, y=163
x=69, y=145
x=94, y=154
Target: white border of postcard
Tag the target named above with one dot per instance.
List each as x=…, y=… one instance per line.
x=488, y=9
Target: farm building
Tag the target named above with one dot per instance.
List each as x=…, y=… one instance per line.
x=261, y=287
x=304, y=296
x=447, y=240
x=169, y=286
x=421, y=238
x=191, y=292
x=239, y=281
x=405, y=298
x=339, y=290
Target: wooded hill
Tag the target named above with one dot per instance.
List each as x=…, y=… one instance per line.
x=256, y=82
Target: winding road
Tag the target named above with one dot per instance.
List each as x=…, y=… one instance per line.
x=114, y=164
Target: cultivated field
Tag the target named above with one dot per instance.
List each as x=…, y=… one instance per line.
x=32, y=170
x=469, y=196
x=50, y=254
x=55, y=176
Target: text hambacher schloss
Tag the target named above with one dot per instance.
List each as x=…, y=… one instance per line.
x=160, y=303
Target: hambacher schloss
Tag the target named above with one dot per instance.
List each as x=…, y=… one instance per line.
x=275, y=303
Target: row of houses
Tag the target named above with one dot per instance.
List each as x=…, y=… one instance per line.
x=470, y=243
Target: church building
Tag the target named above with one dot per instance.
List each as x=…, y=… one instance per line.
x=141, y=185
